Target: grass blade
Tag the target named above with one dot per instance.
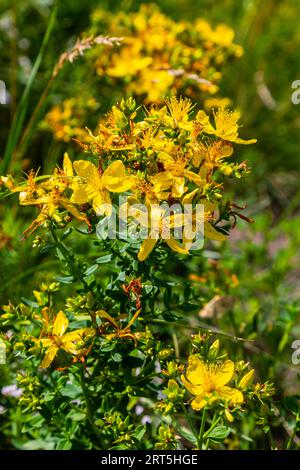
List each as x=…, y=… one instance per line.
x=22, y=107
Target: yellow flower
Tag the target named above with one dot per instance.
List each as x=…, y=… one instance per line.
x=61, y=340
x=49, y=195
x=206, y=218
x=153, y=82
x=179, y=110
x=161, y=226
x=94, y=187
x=212, y=155
x=143, y=189
x=49, y=203
x=120, y=332
x=29, y=190
x=216, y=102
x=175, y=174
x=123, y=58
x=64, y=120
x=226, y=125
x=158, y=223
x=207, y=382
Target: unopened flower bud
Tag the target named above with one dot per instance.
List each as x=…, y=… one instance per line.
x=247, y=379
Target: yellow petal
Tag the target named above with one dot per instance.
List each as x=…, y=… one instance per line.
x=233, y=395
x=222, y=373
x=73, y=210
x=203, y=119
x=193, y=389
x=247, y=379
x=146, y=248
x=245, y=142
x=102, y=203
x=122, y=185
x=178, y=186
x=197, y=373
x=114, y=178
x=115, y=170
x=211, y=233
x=67, y=165
x=226, y=150
x=197, y=179
x=70, y=347
x=228, y=416
x=49, y=356
x=80, y=194
x=188, y=198
x=165, y=158
x=87, y=171
x=162, y=181
x=60, y=324
x=174, y=245
x=76, y=335
x=201, y=401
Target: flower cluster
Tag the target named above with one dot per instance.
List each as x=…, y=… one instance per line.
x=167, y=159
x=164, y=56
x=155, y=58
x=214, y=381
x=208, y=383
x=111, y=349
x=54, y=337
x=65, y=119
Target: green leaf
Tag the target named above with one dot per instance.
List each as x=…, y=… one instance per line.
x=117, y=357
x=77, y=415
x=30, y=303
x=34, y=444
x=103, y=259
x=218, y=433
x=64, y=445
x=64, y=279
x=188, y=435
x=189, y=306
x=91, y=270
x=139, y=432
x=35, y=422
x=71, y=391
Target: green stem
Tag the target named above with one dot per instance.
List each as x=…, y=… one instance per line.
x=202, y=427
x=88, y=403
x=214, y=424
x=69, y=258
x=193, y=429
x=272, y=442
x=293, y=434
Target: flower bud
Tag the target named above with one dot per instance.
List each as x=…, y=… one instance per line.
x=229, y=416
x=247, y=379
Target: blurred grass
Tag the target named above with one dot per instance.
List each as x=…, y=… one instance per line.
x=21, y=109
